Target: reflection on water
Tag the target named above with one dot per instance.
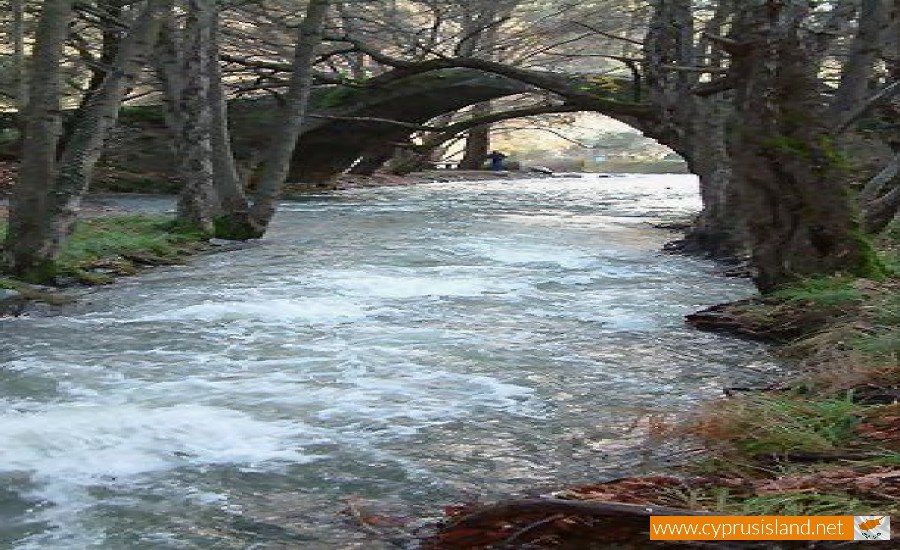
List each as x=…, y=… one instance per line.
x=407, y=345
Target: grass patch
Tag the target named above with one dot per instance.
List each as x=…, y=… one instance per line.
x=778, y=424
x=885, y=345
x=823, y=291
x=102, y=248
x=118, y=243
x=801, y=504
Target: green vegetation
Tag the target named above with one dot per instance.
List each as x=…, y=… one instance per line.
x=822, y=291
x=801, y=504
x=137, y=114
x=783, y=424
x=104, y=247
x=824, y=440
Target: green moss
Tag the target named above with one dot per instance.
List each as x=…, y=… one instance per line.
x=152, y=114
x=823, y=150
x=789, y=145
x=871, y=264
x=235, y=228
x=822, y=291
x=337, y=97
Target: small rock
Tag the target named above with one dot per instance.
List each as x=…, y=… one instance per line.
x=12, y=302
x=540, y=170
x=221, y=242
x=65, y=282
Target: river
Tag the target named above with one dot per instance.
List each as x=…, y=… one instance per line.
x=411, y=347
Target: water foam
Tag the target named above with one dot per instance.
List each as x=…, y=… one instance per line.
x=272, y=310
x=87, y=444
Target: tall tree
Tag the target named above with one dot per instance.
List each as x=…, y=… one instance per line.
x=276, y=164
x=29, y=248
x=48, y=194
x=801, y=221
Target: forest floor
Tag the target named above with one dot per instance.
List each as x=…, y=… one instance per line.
x=825, y=440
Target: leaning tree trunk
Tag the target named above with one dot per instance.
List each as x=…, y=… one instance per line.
x=800, y=219
x=234, y=207
x=29, y=243
x=98, y=117
x=284, y=140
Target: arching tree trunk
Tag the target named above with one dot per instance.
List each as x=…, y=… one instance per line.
x=691, y=125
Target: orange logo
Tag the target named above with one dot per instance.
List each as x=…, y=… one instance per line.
x=871, y=523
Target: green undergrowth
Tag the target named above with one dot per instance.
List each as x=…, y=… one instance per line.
x=826, y=439
x=802, y=447
x=102, y=248
x=825, y=291
x=782, y=424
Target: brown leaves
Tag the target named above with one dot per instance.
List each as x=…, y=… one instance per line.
x=882, y=424
x=882, y=484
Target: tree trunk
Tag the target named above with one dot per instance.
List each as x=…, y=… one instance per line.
x=20, y=71
x=29, y=243
x=864, y=52
x=196, y=202
x=234, y=220
x=478, y=141
x=800, y=220
x=98, y=118
x=110, y=37
x=693, y=126
x=277, y=163
x=718, y=229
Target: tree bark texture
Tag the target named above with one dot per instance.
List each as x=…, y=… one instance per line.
x=97, y=117
x=276, y=165
x=800, y=219
x=29, y=243
x=197, y=201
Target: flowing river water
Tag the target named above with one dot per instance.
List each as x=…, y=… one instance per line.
x=412, y=347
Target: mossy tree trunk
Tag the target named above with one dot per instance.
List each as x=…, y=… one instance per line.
x=801, y=221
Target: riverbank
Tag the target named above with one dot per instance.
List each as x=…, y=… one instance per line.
x=825, y=440
x=107, y=244
x=114, y=241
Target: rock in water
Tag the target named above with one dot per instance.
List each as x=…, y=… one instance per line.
x=12, y=302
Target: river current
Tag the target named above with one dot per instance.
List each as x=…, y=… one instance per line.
x=408, y=347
